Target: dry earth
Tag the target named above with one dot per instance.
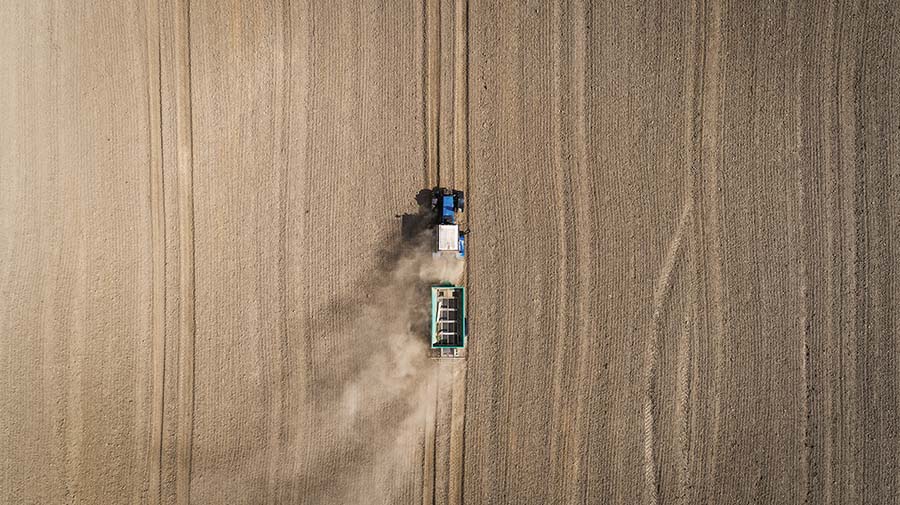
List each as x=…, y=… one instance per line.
x=682, y=268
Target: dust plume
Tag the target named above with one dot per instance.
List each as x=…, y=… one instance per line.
x=374, y=422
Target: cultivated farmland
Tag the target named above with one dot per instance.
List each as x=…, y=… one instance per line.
x=681, y=268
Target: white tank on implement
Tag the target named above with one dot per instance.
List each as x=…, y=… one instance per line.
x=448, y=238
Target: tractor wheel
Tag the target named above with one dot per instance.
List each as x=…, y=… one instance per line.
x=460, y=200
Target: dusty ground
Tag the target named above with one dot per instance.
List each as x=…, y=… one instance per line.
x=682, y=265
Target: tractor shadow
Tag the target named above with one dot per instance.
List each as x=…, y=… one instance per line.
x=414, y=225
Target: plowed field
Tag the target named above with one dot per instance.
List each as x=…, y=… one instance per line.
x=681, y=272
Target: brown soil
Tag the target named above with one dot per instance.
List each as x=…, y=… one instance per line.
x=681, y=271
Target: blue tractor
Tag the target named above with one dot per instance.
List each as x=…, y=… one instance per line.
x=448, y=239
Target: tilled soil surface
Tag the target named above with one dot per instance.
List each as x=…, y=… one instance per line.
x=682, y=265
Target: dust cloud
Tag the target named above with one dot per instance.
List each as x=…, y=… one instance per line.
x=376, y=423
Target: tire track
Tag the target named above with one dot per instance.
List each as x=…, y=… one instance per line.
x=432, y=95
x=707, y=187
x=185, y=191
x=461, y=95
x=154, y=457
x=281, y=126
x=664, y=281
x=683, y=389
x=432, y=99
x=457, y=434
x=693, y=156
x=563, y=301
x=460, y=180
x=660, y=297
x=428, y=467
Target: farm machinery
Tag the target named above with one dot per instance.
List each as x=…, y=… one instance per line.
x=448, y=301
x=448, y=239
